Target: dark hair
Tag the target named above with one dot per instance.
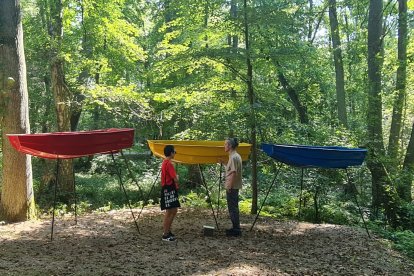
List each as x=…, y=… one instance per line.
x=234, y=142
x=168, y=150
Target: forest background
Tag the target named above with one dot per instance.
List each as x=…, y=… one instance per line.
x=289, y=72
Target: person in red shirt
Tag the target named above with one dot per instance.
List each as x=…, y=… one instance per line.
x=169, y=192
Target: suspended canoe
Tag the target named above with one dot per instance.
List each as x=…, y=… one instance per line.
x=65, y=145
x=197, y=152
x=315, y=156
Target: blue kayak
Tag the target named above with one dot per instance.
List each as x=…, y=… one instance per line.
x=315, y=156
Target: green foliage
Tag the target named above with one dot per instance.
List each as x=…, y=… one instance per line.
x=404, y=241
x=100, y=188
x=340, y=213
x=406, y=216
x=194, y=199
x=400, y=240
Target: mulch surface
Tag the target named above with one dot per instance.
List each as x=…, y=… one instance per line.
x=109, y=244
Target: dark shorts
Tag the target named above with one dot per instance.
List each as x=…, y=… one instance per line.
x=169, y=197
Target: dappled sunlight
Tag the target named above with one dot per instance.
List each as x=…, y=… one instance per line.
x=242, y=269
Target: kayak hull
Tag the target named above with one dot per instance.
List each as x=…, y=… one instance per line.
x=315, y=156
x=66, y=145
x=197, y=152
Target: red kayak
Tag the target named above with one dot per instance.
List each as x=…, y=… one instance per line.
x=66, y=145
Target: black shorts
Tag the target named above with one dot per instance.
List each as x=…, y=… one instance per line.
x=169, y=197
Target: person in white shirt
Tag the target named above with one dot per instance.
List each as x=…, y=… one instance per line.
x=233, y=184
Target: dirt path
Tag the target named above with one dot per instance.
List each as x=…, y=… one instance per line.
x=108, y=244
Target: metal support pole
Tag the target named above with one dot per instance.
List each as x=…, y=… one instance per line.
x=356, y=201
x=54, y=197
x=260, y=209
x=132, y=175
x=300, y=196
x=219, y=186
x=75, y=198
x=152, y=187
x=208, y=195
x=123, y=188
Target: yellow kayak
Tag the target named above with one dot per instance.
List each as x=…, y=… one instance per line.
x=197, y=152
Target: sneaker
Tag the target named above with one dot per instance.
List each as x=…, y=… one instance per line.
x=168, y=238
x=171, y=234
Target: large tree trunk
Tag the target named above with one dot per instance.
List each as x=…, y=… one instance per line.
x=395, y=132
x=17, y=199
x=405, y=186
x=61, y=94
x=382, y=190
x=339, y=67
x=252, y=119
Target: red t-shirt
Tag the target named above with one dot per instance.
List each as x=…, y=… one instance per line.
x=168, y=173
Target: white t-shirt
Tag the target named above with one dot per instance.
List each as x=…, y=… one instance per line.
x=234, y=165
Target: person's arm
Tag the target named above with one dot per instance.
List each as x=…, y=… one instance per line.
x=176, y=181
x=174, y=175
x=231, y=177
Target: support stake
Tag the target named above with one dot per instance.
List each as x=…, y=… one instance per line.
x=356, y=201
x=123, y=188
x=208, y=194
x=273, y=182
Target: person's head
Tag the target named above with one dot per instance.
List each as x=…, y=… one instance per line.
x=231, y=144
x=169, y=151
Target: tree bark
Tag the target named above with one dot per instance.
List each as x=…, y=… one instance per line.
x=310, y=21
x=339, y=67
x=293, y=96
x=61, y=94
x=395, y=131
x=382, y=190
x=17, y=199
x=252, y=100
x=233, y=43
x=405, y=186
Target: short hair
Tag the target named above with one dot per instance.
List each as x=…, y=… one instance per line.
x=168, y=150
x=234, y=142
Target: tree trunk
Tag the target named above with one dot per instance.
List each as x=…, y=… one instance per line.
x=382, y=190
x=405, y=186
x=61, y=94
x=339, y=67
x=395, y=132
x=17, y=199
x=194, y=177
x=62, y=104
x=233, y=42
x=293, y=96
x=48, y=165
x=251, y=97
x=310, y=21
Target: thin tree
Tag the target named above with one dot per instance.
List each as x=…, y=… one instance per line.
x=339, y=66
x=17, y=200
x=405, y=187
x=252, y=119
x=396, y=122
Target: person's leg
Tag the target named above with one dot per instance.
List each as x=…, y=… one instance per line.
x=233, y=207
x=168, y=219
